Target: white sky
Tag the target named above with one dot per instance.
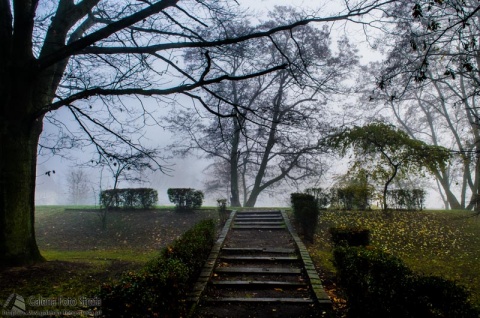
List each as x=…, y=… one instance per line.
x=187, y=172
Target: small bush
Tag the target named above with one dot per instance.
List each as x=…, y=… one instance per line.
x=193, y=248
x=160, y=288
x=143, y=198
x=442, y=296
x=377, y=284
x=185, y=199
x=306, y=213
x=350, y=236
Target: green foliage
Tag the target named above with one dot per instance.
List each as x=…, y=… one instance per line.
x=386, y=152
x=143, y=198
x=350, y=236
x=377, y=284
x=406, y=199
x=159, y=289
x=185, y=199
x=306, y=213
x=193, y=248
x=391, y=144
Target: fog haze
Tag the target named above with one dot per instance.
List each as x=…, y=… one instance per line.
x=188, y=172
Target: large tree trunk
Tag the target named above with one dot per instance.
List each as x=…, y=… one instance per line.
x=451, y=198
x=385, y=188
x=18, y=159
x=234, y=192
x=253, y=197
x=25, y=92
x=476, y=190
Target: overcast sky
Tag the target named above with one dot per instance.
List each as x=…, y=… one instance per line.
x=186, y=172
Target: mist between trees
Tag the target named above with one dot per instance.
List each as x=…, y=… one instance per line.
x=255, y=95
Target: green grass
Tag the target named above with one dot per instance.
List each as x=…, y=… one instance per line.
x=82, y=256
x=442, y=243
x=126, y=255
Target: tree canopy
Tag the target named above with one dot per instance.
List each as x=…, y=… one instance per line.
x=430, y=82
x=387, y=152
x=275, y=141
x=83, y=56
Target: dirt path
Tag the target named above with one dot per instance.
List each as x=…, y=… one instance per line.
x=261, y=270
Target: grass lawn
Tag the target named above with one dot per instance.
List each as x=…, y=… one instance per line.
x=442, y=243
x=81, y=255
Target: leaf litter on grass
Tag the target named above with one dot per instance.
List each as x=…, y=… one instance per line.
x=434, y=243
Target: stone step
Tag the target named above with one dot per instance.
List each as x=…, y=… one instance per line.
x=263, y=219
x=257, y=215
x=259, y=258
x=259, y=300
x=259, y=227
x=260, y=218
x=259, y=270
x=237, y=222
x=258, y=283
x=258, y=212
x=258, y=250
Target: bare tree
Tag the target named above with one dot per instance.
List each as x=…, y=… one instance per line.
x=431, y=82
x=83, y=56
x=127, y=166
x=78, y=187
x=277, y=139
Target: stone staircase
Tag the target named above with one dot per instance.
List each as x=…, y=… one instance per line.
x=259, y=268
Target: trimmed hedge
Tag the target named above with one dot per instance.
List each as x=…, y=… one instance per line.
x=185, y=199
x=160, y=288
x=351, y=197
x=406, y=199
x=377, y=284
x=306, y=212
x=141, y=198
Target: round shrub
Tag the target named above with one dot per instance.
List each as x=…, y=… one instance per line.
x=377, y=284
x=350, y=236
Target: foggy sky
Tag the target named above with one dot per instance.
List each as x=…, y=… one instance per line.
x=186, y=172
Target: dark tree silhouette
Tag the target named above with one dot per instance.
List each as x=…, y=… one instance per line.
x=79, y=54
